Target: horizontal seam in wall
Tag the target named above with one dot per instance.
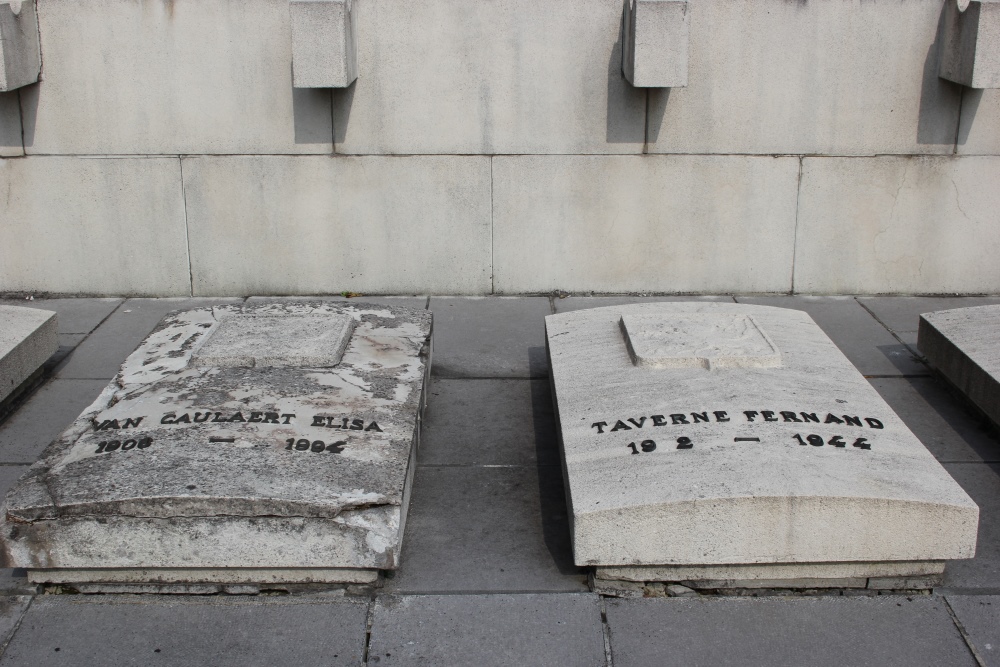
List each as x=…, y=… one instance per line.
x=139, y=156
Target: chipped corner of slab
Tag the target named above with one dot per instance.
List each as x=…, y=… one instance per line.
x=264, y=340
x=698, y=340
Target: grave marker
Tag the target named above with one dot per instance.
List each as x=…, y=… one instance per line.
x=731, y=444
x=269, y=443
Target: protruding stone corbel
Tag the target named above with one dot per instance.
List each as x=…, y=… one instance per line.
x=655, y=44
x=970, y=43
x=19, y=54
x=324, y=44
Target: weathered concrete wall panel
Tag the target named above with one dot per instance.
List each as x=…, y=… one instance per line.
x=979, y=133
x=838, y=77
x=10, y=125
x=512, y=76
x=312, y=225
x=664, y=223
x=93, y=226
x=899, y=225
x=152, y=77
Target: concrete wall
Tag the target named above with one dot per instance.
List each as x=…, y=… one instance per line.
x=496, y=147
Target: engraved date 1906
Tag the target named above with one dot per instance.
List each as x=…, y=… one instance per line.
x=315, y=446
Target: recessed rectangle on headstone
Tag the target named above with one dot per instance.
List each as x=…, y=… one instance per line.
x=271, y=442
x=698, y=437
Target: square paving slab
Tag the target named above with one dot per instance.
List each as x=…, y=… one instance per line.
x=754, y=441
x=963, y=344
x=273, y=443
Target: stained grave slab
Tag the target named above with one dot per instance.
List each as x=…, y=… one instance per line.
x=238, y=444
x=714, y=442
x=28, y=337
x=963, y=344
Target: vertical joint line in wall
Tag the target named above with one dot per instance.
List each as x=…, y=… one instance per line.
x=645, y=128
x=795, y=232
x=493, y=286
x=958, y=125
x=333, y=125
x=187, y=231
x=20, y=115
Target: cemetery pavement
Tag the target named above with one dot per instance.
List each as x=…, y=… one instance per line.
x=486, y=575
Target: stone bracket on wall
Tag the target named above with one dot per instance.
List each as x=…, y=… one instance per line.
x=19, y=53
x=324, y=43
x=970, y=43
x=655, y=43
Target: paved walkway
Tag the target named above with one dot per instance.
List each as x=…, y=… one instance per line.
x=487, y=576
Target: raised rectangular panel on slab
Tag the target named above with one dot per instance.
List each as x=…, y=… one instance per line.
x=783, y=455
x=324, y=46
x=288, y=461
x=970, y=43
x=655, y=44
x=963, y=344
x=20, y=59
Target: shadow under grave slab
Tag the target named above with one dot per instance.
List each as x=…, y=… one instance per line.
x=238, y=444
x=734, y=446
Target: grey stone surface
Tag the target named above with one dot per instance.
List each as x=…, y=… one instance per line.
x=557, y=630
x=201, y=476
x=514, y=423
x=516, y=76
x=188, y=632
x=374, y=225
x=828, y=78
x=324, y=43
x=76, y=316
x=964, y=345
x=970, y=43
x=101, y=354
x=43, y=417
x=982, y=482
x=741, y=484
x=11, y=143
x=569, y=303
x=254, y=578
x=888, y=630
x=640, y=224
x=496, y=528
x=27, y=339
x=980, y=617
x=417, y=302
x=901, y=314
x=655, y=43
x=898, y=225
x=259, y=341
x=945, y=426
x=171, y=78
x=52, y=243
x=979, y=129
x=12, y=608
x=870, y=347
x=490, y=337
x=20, y=59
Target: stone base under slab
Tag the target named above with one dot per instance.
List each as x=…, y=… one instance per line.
x=200, y=581
x=654, y=581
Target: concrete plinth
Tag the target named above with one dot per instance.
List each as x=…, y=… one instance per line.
x=963, y=344
x=267, y=443
x=27, y=339
x=751, y=444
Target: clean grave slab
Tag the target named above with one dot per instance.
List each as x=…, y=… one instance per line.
x=963, y=344
x=270, y=443
x=701, y=435
x=28, y=337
